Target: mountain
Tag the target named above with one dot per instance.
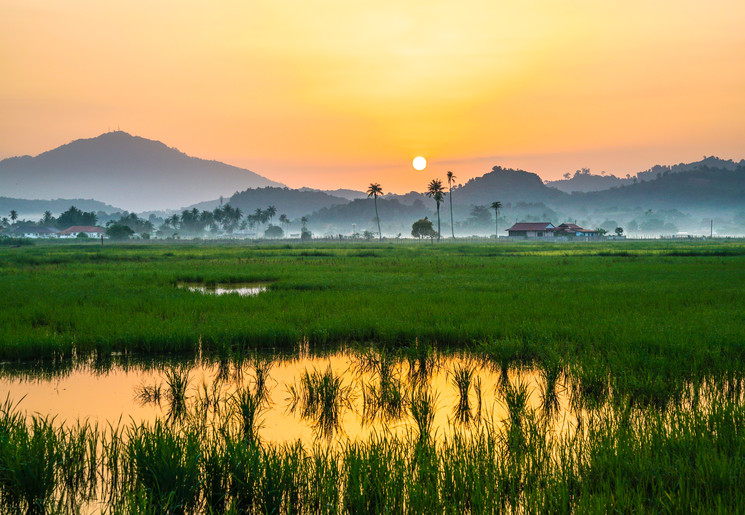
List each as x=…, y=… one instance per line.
x=697, y=189
x=118, y=168
x=505, y=185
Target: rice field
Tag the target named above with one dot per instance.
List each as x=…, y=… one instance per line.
x=639, y=346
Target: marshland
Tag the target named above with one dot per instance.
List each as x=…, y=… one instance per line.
x=399, y=377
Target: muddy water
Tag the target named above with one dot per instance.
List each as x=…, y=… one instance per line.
x=122, y=393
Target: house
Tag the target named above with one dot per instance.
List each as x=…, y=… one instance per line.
x=531, y=230
x=574, y=230
x=33, y=231
x=88, y=230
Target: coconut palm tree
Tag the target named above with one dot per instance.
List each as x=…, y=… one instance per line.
x=451, y=176
x=270, y=212
x=436, y=192
x=496, y=206
x=373, y=191
x=13, y=215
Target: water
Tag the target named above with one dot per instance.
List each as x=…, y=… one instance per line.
x=373, y=393
x=243, y=289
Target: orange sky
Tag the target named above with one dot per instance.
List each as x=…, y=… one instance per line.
x=333, y=93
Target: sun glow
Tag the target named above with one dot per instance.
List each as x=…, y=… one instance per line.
x=419, y=163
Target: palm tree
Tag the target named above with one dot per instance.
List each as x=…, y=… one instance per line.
x=270, y=212
x=435, y=191
x=373, y=191
x=451, y=176
x=496, y=206
x=13, y=215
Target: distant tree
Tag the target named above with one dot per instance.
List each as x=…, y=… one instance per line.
x=119, y=232
x=435, y=191
x=496, y=206
x=48, y=219
x=305, y=234
x=451, y=176
x=567, y=175
x=480, y=215
x=368, y=235
x=75, y=216
x=13, y=215
x=422, y=228
x=82, y=236
x=304, y=221
x=619, y=231
x=283, y=220
x=270, y=212
x=601, y=231
x=274, y=231
x=373, y=191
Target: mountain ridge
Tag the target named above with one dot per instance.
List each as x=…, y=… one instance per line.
x=121, y=169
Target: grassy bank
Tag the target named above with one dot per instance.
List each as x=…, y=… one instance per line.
x=632, y=308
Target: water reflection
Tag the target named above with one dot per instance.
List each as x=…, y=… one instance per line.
x=337, y=396
x=243, y=289
x=347, y=394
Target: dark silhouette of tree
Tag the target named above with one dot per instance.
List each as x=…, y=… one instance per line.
x=283, y=220
x=619, y=231
x=274, y=231
x=373, y=191
x=48, y=219
x=75, y=216
x=436, y=192
x=304, y=221
x=451, y=176
x=13, y=215
x=119, y=232
x=422, y=228
x=496, y=206
x=270, y=212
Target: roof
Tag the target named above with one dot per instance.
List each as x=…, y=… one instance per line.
x=82, y=228
x=33, y=229
x=574, y=227
x=531, y=226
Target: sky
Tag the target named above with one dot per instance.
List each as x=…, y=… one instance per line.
x=339, y=94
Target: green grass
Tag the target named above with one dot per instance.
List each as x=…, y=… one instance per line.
x=672, y=308
x=648, y=338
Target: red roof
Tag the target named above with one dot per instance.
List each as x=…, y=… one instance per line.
x=531, y=226
x=82, y=228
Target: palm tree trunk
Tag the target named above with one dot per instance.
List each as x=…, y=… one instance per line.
x=438, y=221
x=452, y=226
x=496, y=229
x=380, y=234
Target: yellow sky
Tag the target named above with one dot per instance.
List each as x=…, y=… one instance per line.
x=334, y=93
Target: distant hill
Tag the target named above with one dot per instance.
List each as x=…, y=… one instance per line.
x=342, y=193
x=117, y=168
x=505, y=185
x=692, y=189
x=33, y=209
x=584, y=181
x=293, y=203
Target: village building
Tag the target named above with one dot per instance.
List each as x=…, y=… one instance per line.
x=88, y=230
x=33, y=231
x=574, y=230
x=531, y=230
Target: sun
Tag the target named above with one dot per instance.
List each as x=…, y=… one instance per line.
x=419, y=163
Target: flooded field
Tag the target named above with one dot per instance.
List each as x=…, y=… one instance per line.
x=242, y=289
x=339, y=396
